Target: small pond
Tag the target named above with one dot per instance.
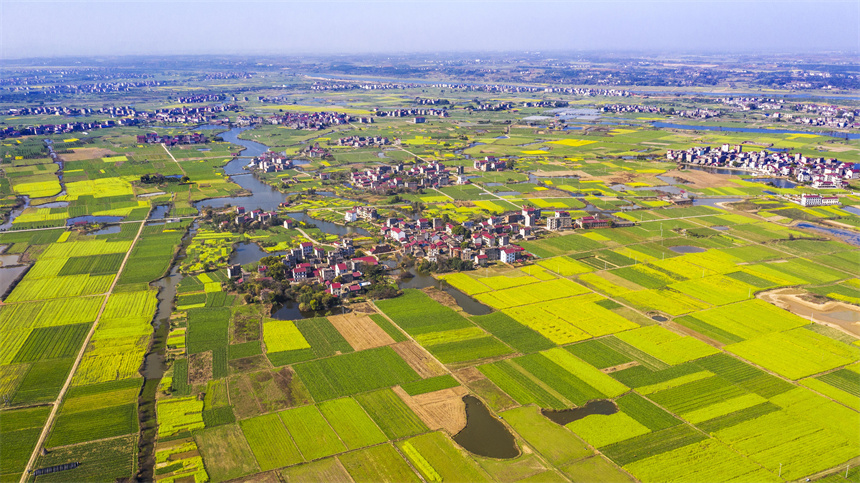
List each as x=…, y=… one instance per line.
x=596, y=406
x=422, y=280
x=687, y=249
x=485, y=435
x=94, y=219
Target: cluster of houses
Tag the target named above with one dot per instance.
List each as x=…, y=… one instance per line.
x=510, y=89
x=337, y=269
x=271, y=162
x=413, y=112
x=499, y=106
x=820, y=173
x=365, y=213
x=482, y=242
x=121, y=116
x=93, y=88
x=546, y=104
x=65, y=128
x=258, y=215
x=201, y=98
x=313, y=121
x=363, y=141
x=386, y=177
x=155, y=138
x=489, y=163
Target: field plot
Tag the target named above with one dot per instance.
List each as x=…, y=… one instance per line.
x=418, y=359
x=178, y=459
x=282, y=335
x=311, y=432
x=438, y=459
x=565, y=266
x=353, y=373
x=441, y=409
x=705, y=461
x=19, y=433
x=511, y=332
x=360, y=331
x=664, y=300
x=809, y=434
x=391, y=414
x=742, y=321
x=796, y=353
x=665, y=345
x=101, y=461
x=556, y=443
x=270, y=442
x=225, y=452
x=571, y=319
x=380, y=464
x=178, y=415
x=417, y=313
x=533, y=293
x=349, y=420
x=599, y=430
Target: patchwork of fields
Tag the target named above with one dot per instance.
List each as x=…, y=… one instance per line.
x=708, y=380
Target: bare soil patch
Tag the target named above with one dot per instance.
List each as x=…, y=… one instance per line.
x=418, y=359
x=443, y=409
x=469, y=374
x=441, y=297
x=249, y=364
x=199, y=367
x=702, y=179
x=79, y=154
x=620, y=367
x=800, y=303
x=360, y=331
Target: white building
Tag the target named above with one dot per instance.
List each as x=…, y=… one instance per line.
x=350, y=216
x=818, y=200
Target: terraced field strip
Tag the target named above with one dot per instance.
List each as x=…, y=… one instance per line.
x=55, y=406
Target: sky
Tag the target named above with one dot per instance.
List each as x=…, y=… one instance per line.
x=282, y=27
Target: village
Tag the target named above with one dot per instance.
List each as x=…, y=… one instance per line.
x=820, y=173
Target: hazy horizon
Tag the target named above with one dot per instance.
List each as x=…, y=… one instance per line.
x=32, y=29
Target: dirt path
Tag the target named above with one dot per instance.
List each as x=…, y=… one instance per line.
x=174, y=159
x=46, y=430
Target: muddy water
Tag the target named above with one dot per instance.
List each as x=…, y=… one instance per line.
x=597, y=406
x=485, y=435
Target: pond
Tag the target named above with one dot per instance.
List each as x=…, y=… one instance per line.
x=778, y=182
x=687, y=249
x=327, y=226
x=848, y=236
x=249, y=252
x=108, y=230
x=485, y=435
x=9, y=276
x=713, y=201
x=422, y=280
x=94, y=219
x=596, y=406
x=659, y=318
x=159, y=212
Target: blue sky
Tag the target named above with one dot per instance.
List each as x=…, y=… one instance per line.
x=73, y=28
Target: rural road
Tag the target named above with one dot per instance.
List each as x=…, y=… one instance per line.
x=174, y=159
x=56, y=404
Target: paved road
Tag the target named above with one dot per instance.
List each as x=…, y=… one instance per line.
x=46, y=430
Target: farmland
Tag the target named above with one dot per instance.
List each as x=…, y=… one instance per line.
x=671, y=319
